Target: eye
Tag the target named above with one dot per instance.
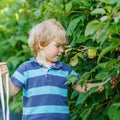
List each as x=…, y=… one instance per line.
x=57, y=45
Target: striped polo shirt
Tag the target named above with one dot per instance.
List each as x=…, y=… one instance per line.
x=44, y=90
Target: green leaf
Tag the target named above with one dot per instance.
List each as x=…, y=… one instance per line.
x=104, y=51
x=109, y=1
x=114, y=29
x=85, y=76
x=98, y=11
x=118, y=3
x=37, y=13
x=108, y=65
x=115, y=41
x=84, y=2
x=107, y=89
x=85, y=113
x=103, y=18
x=79, y=2
x=71, y=79
x=92, y=27
x=108, y=8
x=114, y=111
x=81, y=39
x=102, y=36
x=82, y=97
x=74, y=94
x=102, y=75
x=117, y=8
x=116, y=17
x=91, y=91
x=68, y=6
x=114, y=72
x=73, y=25
x=108, y=49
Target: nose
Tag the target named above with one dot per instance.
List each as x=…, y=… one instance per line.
x=61, y=49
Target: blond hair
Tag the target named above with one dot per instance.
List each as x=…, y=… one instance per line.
x=45, y=32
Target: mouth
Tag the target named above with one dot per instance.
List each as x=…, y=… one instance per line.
x=59, y=54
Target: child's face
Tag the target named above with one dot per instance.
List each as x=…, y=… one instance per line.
x=52, y=51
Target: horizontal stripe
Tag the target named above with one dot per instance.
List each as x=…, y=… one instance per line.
x=60, y=73
x=34, y=73
x=45, y=90
x=44, y=100
x=19, y=77
x=44, y=71
x=43, y=81
x=47, y=116
x=73, y=73
x=46, y=109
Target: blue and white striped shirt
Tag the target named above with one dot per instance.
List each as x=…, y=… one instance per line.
x=44, y=90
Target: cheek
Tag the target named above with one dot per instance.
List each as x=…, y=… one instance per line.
x=52, y=50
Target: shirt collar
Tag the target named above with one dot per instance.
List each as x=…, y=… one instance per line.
x=56, y=65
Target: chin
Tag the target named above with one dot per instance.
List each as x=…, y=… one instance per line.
x=54, y=60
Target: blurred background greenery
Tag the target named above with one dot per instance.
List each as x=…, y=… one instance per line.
x=93, y=27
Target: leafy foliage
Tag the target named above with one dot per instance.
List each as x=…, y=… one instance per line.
x=89, y=24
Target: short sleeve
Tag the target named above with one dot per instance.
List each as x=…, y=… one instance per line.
x=72, y=75
x=75, y=74
x=18, y=77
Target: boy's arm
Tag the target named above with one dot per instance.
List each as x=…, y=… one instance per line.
x=13, y=90
x=88, y=86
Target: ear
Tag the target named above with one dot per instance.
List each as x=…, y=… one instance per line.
x=40, y=45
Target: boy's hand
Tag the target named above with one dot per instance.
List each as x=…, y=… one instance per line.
x=3, y=68
x=113, y=80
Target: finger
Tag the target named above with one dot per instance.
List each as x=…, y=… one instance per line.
x=2, y=63
x=3, y=69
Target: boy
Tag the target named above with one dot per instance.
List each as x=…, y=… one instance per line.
x=43, y=77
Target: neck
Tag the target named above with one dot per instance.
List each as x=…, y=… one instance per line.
x=43, y=61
